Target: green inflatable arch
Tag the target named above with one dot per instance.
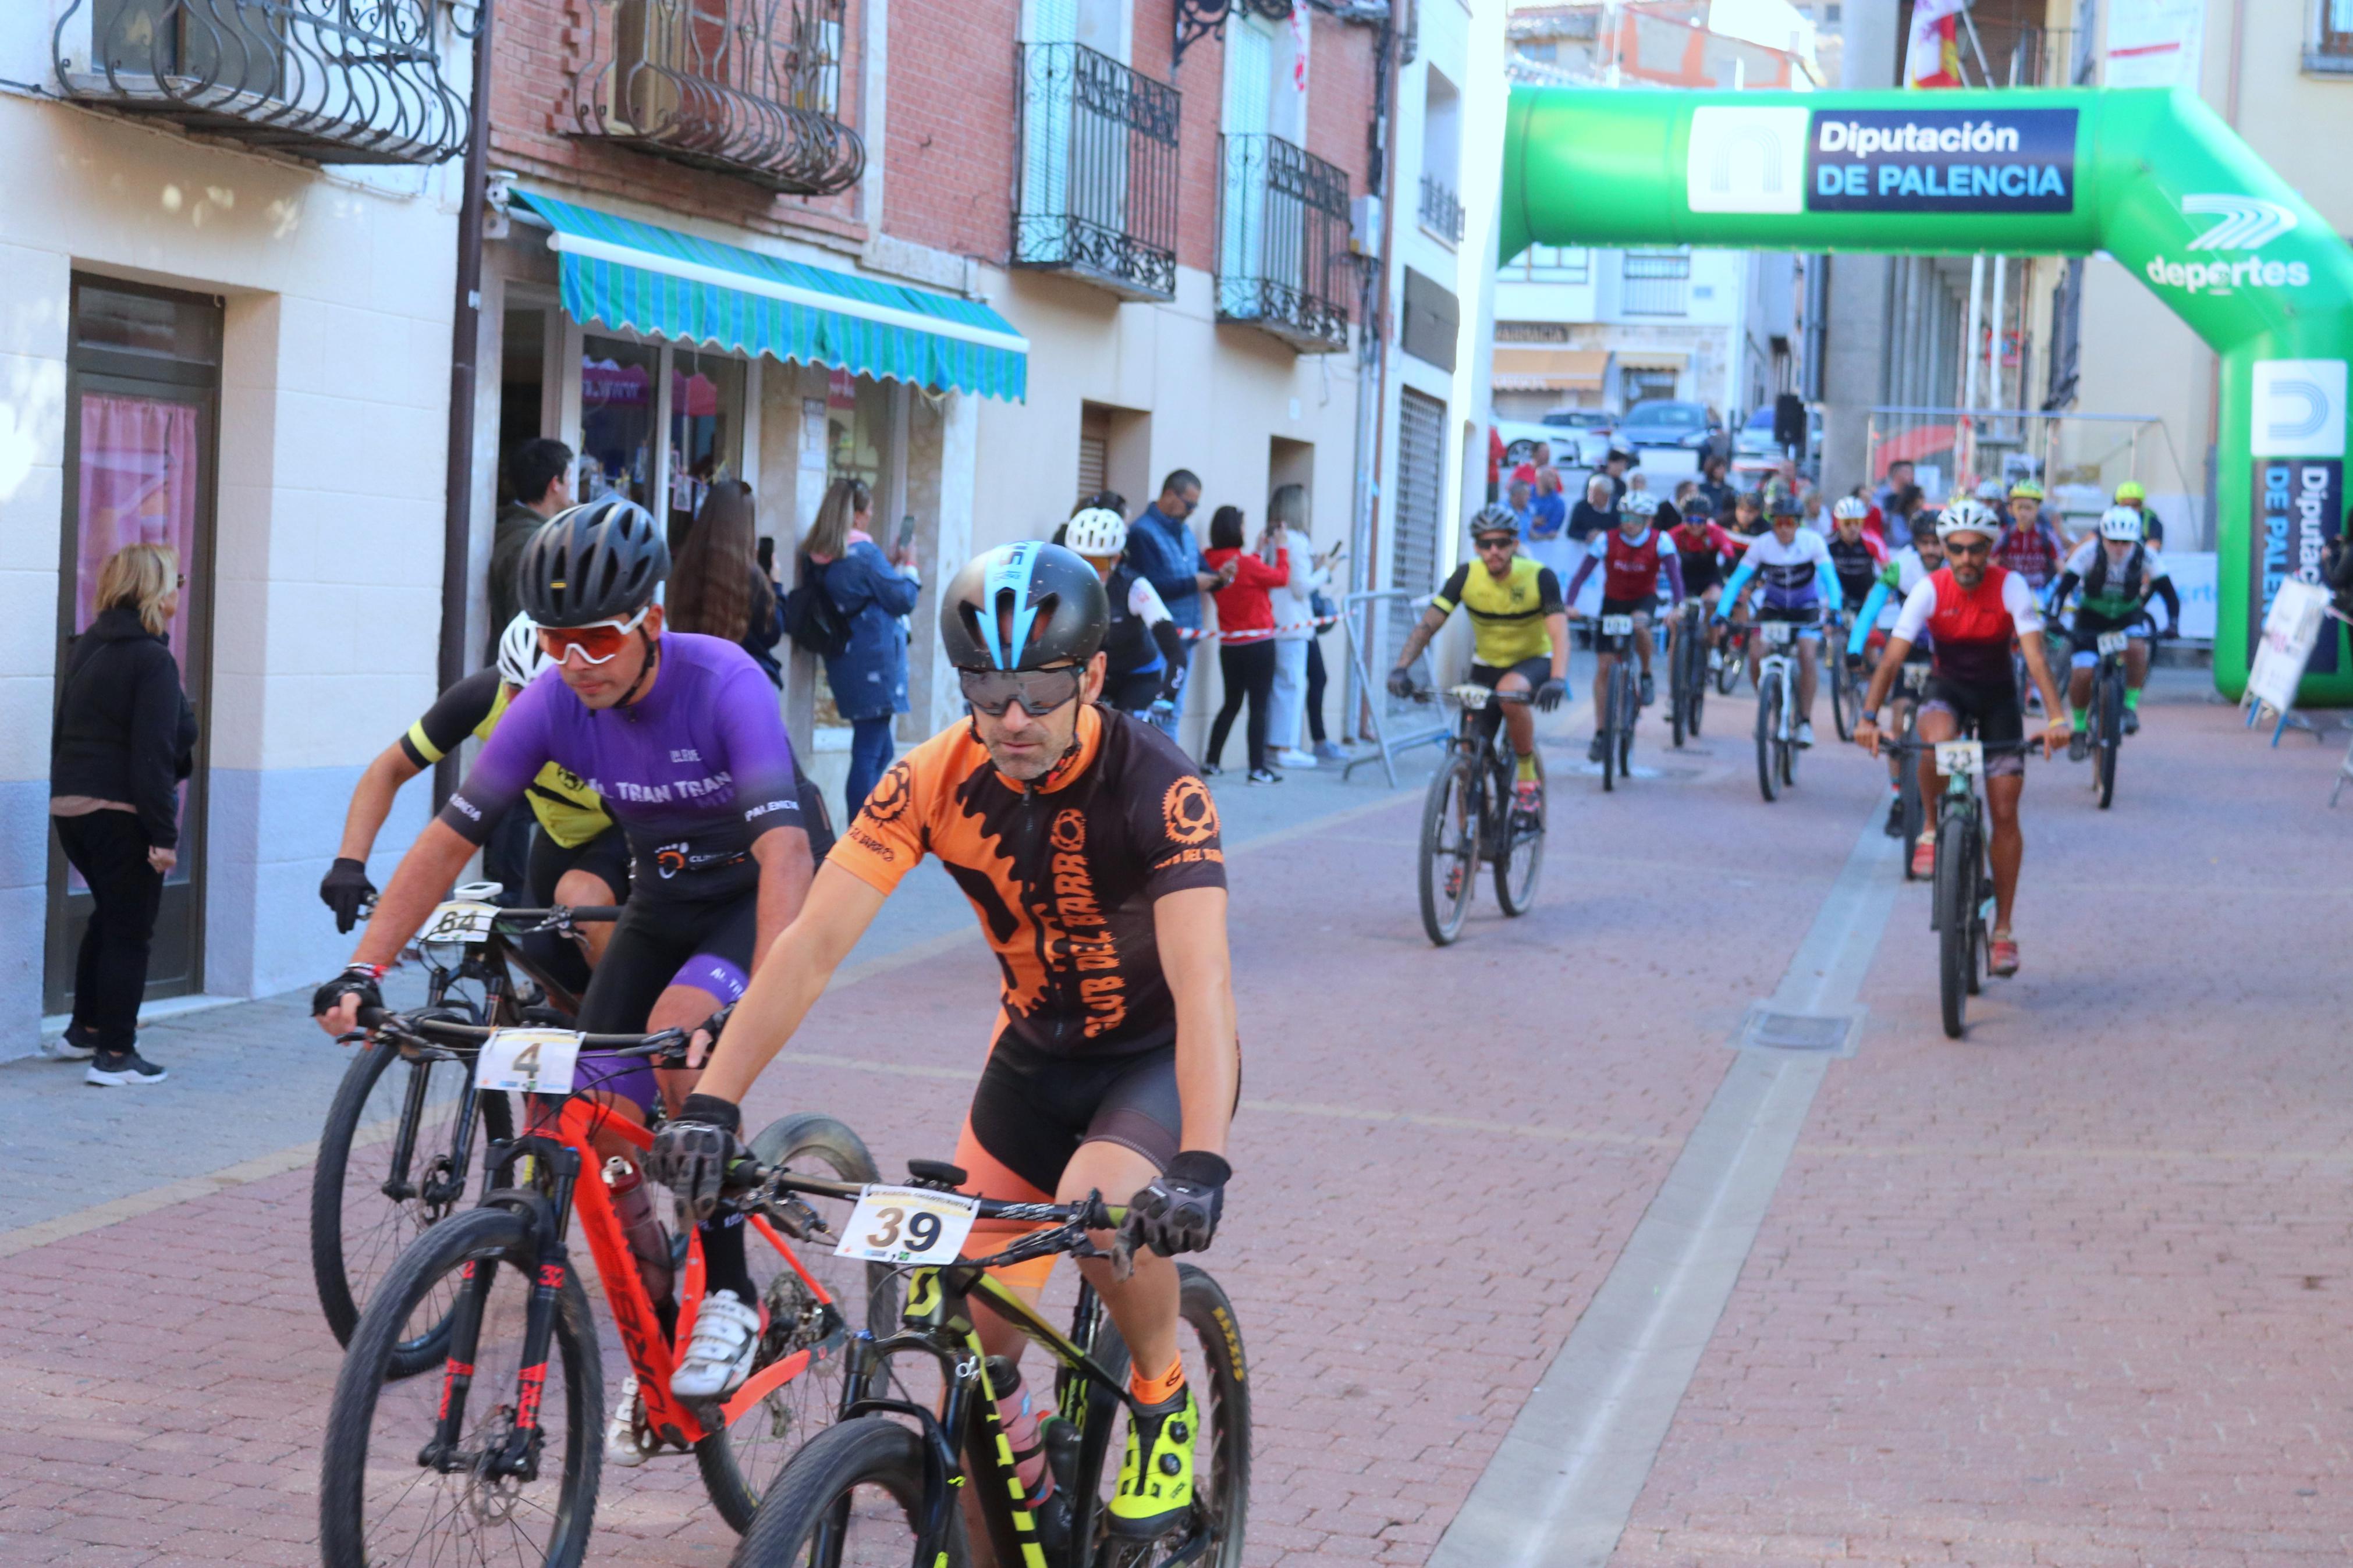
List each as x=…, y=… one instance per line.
x=2151, y=176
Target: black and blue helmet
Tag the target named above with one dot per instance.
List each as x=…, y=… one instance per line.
x=1023, y=607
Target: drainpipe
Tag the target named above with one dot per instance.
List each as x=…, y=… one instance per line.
x=465, y=338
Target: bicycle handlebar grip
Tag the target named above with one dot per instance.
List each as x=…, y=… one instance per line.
x=374, y=1017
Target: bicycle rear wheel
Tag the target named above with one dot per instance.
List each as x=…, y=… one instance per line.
x=358, y=1227
x=2111, y=734
x=1768, y=708
x=1522, y=860
x=1956, y=926
x=739, y=1460
x=1846, y=693
x=1449, y=867
x=853, y=1495
x=381, y=1502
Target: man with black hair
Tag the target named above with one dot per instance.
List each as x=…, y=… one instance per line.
x=538, y=477
x=1161, y=547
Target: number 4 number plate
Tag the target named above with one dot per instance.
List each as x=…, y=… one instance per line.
x=1617, y=625
x=1960, y=757
x=2113, y=642
x=528, y=1062
x=907, y=1224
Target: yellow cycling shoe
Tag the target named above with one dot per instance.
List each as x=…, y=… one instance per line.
x=1156, y=1493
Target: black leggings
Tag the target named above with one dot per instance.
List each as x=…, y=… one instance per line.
x=1248, y=669
x=109, y=849
x=1315, y=679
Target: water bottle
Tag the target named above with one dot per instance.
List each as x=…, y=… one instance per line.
x=634, y=1207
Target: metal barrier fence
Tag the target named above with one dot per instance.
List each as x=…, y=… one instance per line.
x=1391, y=725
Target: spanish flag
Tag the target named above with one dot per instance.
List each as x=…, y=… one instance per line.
x=1933, y=58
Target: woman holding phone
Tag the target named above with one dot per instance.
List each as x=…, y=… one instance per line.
x=869, y=678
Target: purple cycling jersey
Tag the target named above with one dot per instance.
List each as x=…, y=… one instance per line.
x=693, y=770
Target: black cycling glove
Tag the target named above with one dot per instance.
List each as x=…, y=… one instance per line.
x=691, y=1155
x=359, y=980
x=1178, y=1212
x=344, y=889
x=1400, y=682
x=1550, y=694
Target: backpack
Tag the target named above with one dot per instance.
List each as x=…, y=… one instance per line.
x=811, y=617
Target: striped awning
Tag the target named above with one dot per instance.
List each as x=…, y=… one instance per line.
x=1519, y=369
x=641, y=278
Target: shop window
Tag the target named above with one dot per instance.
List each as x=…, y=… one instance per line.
x=617, y=419
x=706, y=414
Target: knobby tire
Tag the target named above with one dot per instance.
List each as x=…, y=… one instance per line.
x=2111, y=735
x=1769, y=705
x=1521, y=863
x=818, y=1484
x=1954, y=923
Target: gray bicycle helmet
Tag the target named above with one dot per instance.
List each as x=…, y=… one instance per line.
x=1494, y=518
x=601, y=561
x=1058, y=605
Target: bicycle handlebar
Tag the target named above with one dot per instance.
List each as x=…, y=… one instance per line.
x=1991, y=748
x=421, y=1027
x=753, y=1187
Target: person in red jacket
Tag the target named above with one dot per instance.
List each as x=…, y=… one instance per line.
x=1246, y=633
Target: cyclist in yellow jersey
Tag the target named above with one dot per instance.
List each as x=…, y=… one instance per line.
x=1519, y=629
x=578, y=857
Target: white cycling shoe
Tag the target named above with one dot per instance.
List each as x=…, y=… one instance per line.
x=1805, y=732
x=622, y=1445
x=719, y=1358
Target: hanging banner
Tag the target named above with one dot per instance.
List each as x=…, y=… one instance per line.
x=1933, y=55
x=1941, y=160
x=2155, y=43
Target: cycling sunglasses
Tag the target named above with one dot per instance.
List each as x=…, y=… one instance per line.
x=1969, y=552
x=1039, y=691
x=1495, y=541
x=596, y=644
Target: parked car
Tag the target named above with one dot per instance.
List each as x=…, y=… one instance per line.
x=1663, y=422
x=1588, y=430
x=1569, y=447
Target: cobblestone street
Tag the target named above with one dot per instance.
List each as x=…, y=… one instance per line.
x=2068, y=1291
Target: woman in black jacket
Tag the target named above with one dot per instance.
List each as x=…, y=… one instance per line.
x=125, y=737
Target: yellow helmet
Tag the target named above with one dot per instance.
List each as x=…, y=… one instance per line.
x=2026, y=490
x=2129, y=492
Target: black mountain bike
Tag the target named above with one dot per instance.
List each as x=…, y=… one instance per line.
x=886, y=1483
x=397, y=1150
x=1687, y=669
x=1469, y=818
x=1735, y=655
x=1621, y=702
x=1776, y=708
x=1847, y=686
x=1961, y=899
x=2106, y=721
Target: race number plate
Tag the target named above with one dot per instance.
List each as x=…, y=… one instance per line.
x=1470, y=695
x=1960, y=757
x=461, y=920
x=907, y=1224
x=1777, y=634
x=528, y=1062
x=1617, y=625
x=2113, y=642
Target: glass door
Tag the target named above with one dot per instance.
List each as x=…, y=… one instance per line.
x=141, y=406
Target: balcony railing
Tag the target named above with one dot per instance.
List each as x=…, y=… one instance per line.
x=747, y=88
x=1282, y=242
x=336, y=81
x=1098, y=172
x=1442, y=214
x=1656, y=285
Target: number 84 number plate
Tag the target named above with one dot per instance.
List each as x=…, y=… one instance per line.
x=907, y=1224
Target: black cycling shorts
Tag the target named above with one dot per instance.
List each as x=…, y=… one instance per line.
x=1991, y=713
x=659, y=943
x=1033, y=1109
x=607, y=856
x=1534, y=671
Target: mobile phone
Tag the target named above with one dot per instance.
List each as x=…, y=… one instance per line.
x=906, y=531
x=767, y=554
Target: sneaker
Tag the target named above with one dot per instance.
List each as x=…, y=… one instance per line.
x=623, y=1445
x=2079, y=745
x=2002, y=955
x=1805, y=731
x=1924, y=856
x=1211, y=770
x=110, y=1071
x=1156, y=1476
x=1650, y=691
x=719, y=1358
x=1528, y=795
x=1593, y=752
x=2132, y=720
x=1295, y=758
x=1326, y=752
x=1894, y=829
x=64, y=1050
x=1263, y=775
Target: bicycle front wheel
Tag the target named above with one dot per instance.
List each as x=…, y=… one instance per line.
x=387, y=1171
x=1768, y=710
x=1956, y=926
x=1846, y=695
x=1449, y=847
x=519, y=1484
x=2111, y=735
x=1630, y=710
x=853, y=1495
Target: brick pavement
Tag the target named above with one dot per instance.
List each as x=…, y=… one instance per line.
x=1443, y=1145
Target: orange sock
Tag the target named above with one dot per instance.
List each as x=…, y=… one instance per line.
x=1158, y=1390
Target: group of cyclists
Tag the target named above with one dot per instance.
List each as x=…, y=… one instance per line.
x=663, y=780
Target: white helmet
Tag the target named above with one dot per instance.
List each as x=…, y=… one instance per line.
x=1641, y=503
x=2121, y=522
x=1990, y=491
x=1096, y=531
x=520, y=655
x=1963, y=515
x=1850, y=508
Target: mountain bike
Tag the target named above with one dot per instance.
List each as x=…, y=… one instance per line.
x=2107, y=723
x=886, y=1482
x=1960, y=903
x=1848, y=686
x=1621, y=701
x=1776, y=708
x=500, y=1456
x=1469, y=816
x=1735, y=654
x=397, y=1148
x=1687, y=669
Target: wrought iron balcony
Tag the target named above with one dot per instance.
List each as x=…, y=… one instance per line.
x=1442, y=214
x=1282, y=242
x=748, y=88
x=1098, y=172
x=336, y=81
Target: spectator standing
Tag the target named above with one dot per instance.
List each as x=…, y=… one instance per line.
x=716, y=586
x=1614, y=464
x=1524, y=471
x=868, y=676
x=1163, y=548
x=1720, y=495
x=1899, y=475
x=1545, y=535
x=1591, y=520
x=1245, y=648
x=1523, y=503
x=539, y=476
x=1292, y=606
x=125, y=738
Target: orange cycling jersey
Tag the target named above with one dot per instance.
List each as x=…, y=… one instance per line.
x=1063, y=876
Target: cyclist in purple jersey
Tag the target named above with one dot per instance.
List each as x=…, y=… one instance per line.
x=681, y=736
